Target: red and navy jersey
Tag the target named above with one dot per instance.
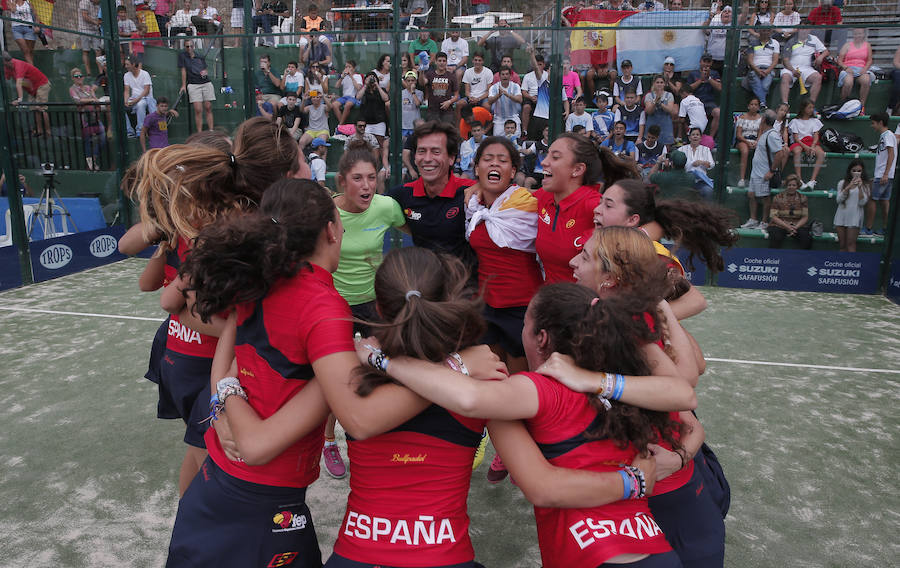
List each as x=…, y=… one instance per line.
x=437, y=223
x=589, y=536
x=507, y=277
x=302, y=319
x=181, y=338
x=408, y=491
x=563, y=228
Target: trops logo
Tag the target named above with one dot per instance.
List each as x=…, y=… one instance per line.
x=103, y=246
x=56, y=256
x=836, y=272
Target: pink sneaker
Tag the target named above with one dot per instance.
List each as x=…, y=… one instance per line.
x=334, y=463
x=497, y=472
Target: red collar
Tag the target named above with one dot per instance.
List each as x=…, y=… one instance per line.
x=449, y=191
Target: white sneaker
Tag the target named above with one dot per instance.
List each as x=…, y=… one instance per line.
x=762, y=226
x=750, y=224
x=742, y=183
x=804, y=185
x=811, y=184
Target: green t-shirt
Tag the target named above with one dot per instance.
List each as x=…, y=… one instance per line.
x=361, y=248
x=430, y=46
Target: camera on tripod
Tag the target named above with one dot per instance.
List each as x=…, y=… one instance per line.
x=47, y=169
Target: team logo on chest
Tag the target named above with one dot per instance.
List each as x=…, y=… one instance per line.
x=287, y=521
x=410, y=214
x=452, y=212
x=570, y=223
x=545, y=217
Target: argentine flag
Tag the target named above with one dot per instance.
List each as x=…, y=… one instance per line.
x=647, y=49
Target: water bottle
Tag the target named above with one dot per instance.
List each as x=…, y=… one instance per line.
x=424, y=60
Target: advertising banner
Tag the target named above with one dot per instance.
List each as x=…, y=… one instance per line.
x=52, y=258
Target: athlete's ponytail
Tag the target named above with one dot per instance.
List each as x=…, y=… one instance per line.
x=239, y=259
x=700, y=227
x=428, y=309
x=605, y=335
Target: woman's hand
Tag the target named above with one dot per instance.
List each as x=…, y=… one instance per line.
x=223, y=431
x=473, y=189
x=667, y=462
x=563, y=369
x=364, y=347
x=483, y=364
x=648, y=465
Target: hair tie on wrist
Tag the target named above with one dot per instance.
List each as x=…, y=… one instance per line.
x=412, y=293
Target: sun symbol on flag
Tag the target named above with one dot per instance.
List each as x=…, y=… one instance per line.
x=668, y=36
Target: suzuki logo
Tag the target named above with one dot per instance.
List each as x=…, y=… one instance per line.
x=812, y=271
x=732, y=268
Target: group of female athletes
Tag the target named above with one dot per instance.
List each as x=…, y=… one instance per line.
x=569, y=351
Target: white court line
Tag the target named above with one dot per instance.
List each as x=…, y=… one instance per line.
x=805, y=366
x=714, y=359
x=87, y=315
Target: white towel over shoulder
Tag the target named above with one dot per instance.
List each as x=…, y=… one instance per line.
x=511, y=221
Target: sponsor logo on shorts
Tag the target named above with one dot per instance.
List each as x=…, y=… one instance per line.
x=589, y=530
x=103, y=246
x=282, y=559
x=413, y=532
x=406, y=458
x=452, y=212
x=414, y=215
x=287, y=521
x=55, y=256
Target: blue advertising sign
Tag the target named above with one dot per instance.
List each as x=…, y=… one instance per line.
x=893, y=287
x=810, y=271
x=52, y=258
x=697, y=276
x=10, y=273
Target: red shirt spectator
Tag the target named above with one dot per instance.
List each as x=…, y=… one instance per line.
x=825, y=14
x=32, y=77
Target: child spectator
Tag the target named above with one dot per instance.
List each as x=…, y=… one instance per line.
x=477, y=81
x=619, y=144
x=883, y=180
x=411, y=100
x=603, y=118
x=580, y=118
x=264, y=108
x=441, y=90
x=467, y=150
x=350, y=82
x=156, y=126
x=506, y=61
x=706, y=84
x=532, y=161
x=650, y=150
x=470, y=114
x=317, y=112
x=630, y=113
x=291, y=116
x=505, y=99
x=692, y=108
x=804, y=131
x=293, y=80
x=626, y=83
x=126, y=29
x=746, y=131
x=317, y=165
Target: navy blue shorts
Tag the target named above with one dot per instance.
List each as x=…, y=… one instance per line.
x=692, y=523
x=337, y=561
x=664, y=560
x=184, y=393
x=504, y=328
x=157, y=350
x=224, y=521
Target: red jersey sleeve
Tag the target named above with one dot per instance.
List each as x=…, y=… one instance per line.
x=332, y=331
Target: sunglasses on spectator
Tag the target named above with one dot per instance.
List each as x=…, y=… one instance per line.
x=77, y=76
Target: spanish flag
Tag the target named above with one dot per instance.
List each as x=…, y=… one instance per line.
x=43, y=9
x=145, y=16
x=595, y=46
x=511, y=221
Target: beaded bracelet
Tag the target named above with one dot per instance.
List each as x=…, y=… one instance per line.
x=459, y=361
x=612, y=386
x=378, y=360
x=639, y=484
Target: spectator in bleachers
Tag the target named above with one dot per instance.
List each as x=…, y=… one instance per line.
x=195, y=81
x=699, y=162
x=126, y=30
x=505, y=99
x=469, y=114
x=373, y=111
x=579, y=117
x=423, y=43
x=155, y=127
x=316, y=52
x=571, y=81
x=23, y=34
x=477, y=81
x=267, y=82
x=766, y=163
x=669, y=174
x=660, y=109
x=651, y=151
x=163, y=13
x=616, y=5
x=507, y=61
x=350, y=83
x=138, y=95
x=316, y=80
x=457, y=50
x=207, y=19
x=790, y=214
x=761, y=62
x=530, y=84
x=264, y=108
x=411, y=99
x=630, y=114
x=603, y=117
x=706, y=84
x=317, y=111
x=746, y=132
x=783, y=20
x=625, y=83
x=825, y=14
x=24, y=190
x=718, y=32
x=672, y=78
x=501, y=41
x=312, y=21
x=383, y=72
x=88, y=23
x=532, y=162
x=852, y=195
x=675, y=5
x=804, y=131
x=93, y=131
x=293, y=80
x=570, y=13
x=317, y=164
x=692, y=110
x=180, y=23
x=291, y=116
x=883, y=179
x=413, y=7
x=855, y=61
x=237, y=20
x=599, y=78
x=362, y=134
x=781, y=122
x=651, y=6
x=441, y=90
x=267, y=14
x=761, y=17
x=894, y=106
x=468, y=148
x=31, y=81
x=620, y=145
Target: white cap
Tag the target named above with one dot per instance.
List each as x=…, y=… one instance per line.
x=669, y=59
